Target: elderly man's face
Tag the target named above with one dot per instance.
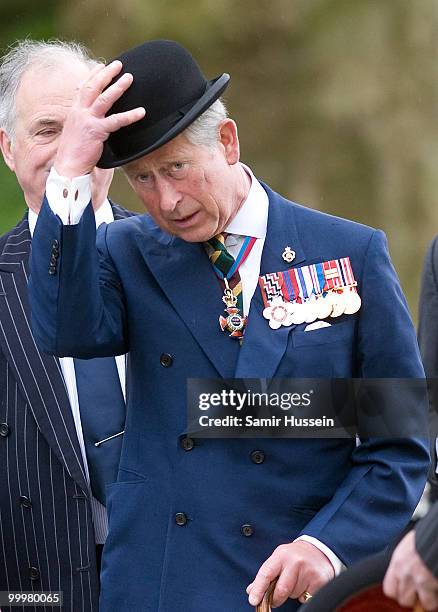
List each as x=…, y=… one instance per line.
x=43, y=99
x=190, y=191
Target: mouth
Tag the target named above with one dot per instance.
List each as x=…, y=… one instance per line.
x=186, y=221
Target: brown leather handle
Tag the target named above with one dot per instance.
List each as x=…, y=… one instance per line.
x=265, y=604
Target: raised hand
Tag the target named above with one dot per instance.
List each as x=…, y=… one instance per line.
x=86, y=128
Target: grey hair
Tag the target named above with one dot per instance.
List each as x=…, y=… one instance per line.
x=204, y=130
x=25, y=54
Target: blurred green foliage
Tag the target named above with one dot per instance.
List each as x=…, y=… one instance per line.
x=335, y=99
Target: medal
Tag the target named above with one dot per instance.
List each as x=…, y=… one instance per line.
x=235, y=321
x=352, y=299
x=324, y=307
x=311, y=311
x=279, y=313
x=337, y=302
x=298, y=315
x=352, y=302
x=303, y=295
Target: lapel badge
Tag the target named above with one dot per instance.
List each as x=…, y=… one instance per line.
x=288, y=254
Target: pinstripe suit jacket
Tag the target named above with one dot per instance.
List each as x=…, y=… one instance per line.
x=46, y=529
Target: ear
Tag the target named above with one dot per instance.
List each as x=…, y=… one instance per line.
x=6, y=148
x=229, y=140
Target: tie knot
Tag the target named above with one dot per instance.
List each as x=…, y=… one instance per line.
x=221, y=259
x=217, y=243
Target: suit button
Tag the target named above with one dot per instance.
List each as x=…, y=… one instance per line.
x=257, y=456
x=4, y=430
x=52, y=269
x=180, y=519
x=247, y=530
x=25, y=502
x=34, y=573
x=166, y=360
x=187, y=444
x=55, y=244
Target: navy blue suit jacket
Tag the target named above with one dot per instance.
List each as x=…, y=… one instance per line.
x=153, y=293
x=46, y=528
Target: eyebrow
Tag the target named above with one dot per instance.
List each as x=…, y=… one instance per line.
x=46, y=122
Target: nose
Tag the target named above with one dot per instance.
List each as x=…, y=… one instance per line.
x=168, y=194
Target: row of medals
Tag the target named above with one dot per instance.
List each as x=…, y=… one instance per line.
x=334, y=304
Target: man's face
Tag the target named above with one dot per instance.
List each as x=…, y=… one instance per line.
x=190, y=190
x=43, y=99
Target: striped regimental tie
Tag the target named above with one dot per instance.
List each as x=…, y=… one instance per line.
x=223, y=263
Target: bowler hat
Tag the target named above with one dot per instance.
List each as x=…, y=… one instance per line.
x=359, y=589
x=169, y=84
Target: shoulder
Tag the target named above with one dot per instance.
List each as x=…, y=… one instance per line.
x=306, y=215
x=120, y=212
x=320, y=230
x=21, y=228
x=431, y=259
x=131, y=229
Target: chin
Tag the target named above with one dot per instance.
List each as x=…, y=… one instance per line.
x=198, y=234
x=192, y=237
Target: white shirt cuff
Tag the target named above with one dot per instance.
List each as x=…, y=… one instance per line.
x=68, y=198
x=338, y=566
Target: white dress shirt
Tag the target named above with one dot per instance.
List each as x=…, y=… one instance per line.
x=104, y=214
x=68, y=199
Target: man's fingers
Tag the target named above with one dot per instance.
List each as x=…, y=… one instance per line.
x=390, y=582
x=406, y=595
x=115, y=122
x=97, y=82
x=106, y=99
x=428, y=598
x=284, y=587
x=270, y=569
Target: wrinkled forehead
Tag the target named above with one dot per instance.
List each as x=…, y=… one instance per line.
x=54, y=83
x=63, y=71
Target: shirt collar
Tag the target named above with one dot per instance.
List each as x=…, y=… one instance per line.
x=104, y=214
x=252, y=217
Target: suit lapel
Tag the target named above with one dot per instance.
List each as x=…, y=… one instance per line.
x=263, y=348
x=38, y=375
x=186, y=276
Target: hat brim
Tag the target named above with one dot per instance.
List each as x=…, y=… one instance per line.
x=358, y=589
x=214, y=90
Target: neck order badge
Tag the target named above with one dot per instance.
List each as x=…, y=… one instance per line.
x=227, y=270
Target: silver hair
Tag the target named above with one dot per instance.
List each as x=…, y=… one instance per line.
x=25, y=54
x=205, y=129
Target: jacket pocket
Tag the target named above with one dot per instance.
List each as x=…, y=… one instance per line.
x=337, y=332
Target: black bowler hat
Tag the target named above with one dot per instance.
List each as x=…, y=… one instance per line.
x=170, y=85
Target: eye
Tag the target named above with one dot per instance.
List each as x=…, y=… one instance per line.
x=47, y=132
x=177, y=169
x=178, y=165
x=142, y=178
